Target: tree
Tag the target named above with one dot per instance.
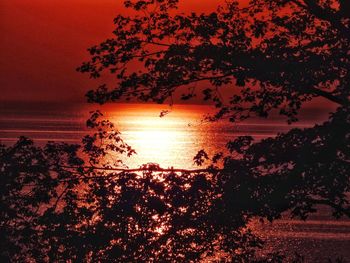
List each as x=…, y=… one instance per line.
x=63, y=203
x=273, y=55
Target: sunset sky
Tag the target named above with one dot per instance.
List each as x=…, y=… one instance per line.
x=43, y=41
x=222, y=136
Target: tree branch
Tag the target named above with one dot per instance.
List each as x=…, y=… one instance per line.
x=329, y=96
x=323, y=14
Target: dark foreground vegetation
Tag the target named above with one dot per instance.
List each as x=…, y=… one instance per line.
x=67, y=202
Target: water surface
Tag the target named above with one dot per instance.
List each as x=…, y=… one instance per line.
x=172, y=141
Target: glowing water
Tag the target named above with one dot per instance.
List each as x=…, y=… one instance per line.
x=172, y=141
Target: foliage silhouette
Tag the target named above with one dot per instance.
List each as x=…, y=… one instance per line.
x=275, y=55
x=56, y=208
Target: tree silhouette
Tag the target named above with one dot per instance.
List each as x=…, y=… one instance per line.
x=65, y=203
x=70, y=203
x=274, y=56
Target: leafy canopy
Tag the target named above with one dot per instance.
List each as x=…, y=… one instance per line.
x=272, y=55
x=69, y=203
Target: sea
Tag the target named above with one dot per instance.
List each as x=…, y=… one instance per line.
x=171, y=135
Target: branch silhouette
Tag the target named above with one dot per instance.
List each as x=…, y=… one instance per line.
x=63, y=202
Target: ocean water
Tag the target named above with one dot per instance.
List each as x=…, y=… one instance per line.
x=172, y=141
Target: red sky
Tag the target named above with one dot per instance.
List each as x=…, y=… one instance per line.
x=43, y=41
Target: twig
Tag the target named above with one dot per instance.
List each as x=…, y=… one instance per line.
x=141, y=169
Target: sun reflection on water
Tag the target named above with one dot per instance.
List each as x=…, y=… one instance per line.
x=173, y=140
x=170, y=141
x=160, y=141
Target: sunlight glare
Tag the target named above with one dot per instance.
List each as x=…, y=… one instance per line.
x=155, y=139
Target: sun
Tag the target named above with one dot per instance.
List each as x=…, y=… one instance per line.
x=170, y=141
x=156, y=139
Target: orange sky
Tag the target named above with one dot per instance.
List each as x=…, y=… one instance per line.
x=43, y=41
